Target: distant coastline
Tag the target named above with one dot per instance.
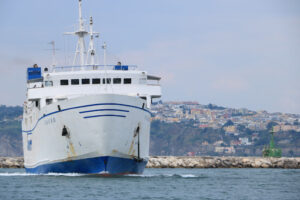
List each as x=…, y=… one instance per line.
x=194, y=162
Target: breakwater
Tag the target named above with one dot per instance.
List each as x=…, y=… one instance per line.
x=11, y=162
x=194, y=162
x=222, y=162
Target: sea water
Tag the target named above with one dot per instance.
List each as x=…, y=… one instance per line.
x=155, y=184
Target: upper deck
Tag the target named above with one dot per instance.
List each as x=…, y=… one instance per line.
x=62, y=83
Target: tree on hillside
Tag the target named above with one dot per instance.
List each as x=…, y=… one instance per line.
x=214, y=107
x=228, y=123
x=271, y=124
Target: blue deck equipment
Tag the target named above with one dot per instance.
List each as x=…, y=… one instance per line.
x=121, y=67
x=34, y=73
x=118, y=67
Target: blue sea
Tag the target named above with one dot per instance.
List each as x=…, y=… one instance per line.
x=155, y=184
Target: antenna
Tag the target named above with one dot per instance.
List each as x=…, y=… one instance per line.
x=104, y=60
x=81, y=22
x=53, y=53
x=104, y=46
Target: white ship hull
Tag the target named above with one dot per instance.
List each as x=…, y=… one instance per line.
x=86, y=117
x=104, y=133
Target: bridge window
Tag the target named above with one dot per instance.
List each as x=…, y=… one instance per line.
x=48, y=83
x=49, y=101
x=108, y=81
x=117, y=81
x=127, y=80
x=85, y=81
x=74, y=81
x=64, y=82
x=96, y=81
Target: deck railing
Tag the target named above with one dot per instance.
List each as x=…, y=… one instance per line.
x=93, y=67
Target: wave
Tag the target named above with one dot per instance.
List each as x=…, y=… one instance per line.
x=165, y=175
x=49, y=174
x=105, y=175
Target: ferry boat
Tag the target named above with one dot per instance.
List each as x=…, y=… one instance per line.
x=88, y=118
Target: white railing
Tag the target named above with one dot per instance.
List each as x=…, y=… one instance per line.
x=93, y=67
x=153, y=82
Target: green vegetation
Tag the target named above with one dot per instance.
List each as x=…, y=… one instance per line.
x=214, y=107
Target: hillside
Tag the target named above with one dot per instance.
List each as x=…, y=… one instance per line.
x=185, y=139
x=175, y=138
x=10, y=131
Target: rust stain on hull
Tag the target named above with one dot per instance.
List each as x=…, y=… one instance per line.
x=71, y=153
x=131, y=147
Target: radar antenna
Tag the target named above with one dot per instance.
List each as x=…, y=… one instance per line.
x=53, y=53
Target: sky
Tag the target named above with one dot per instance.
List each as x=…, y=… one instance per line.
x=239, y=54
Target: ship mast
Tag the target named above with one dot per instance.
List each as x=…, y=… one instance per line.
x=91, y=52
x=81, y=32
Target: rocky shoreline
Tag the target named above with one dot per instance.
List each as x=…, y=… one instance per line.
x=194, y=162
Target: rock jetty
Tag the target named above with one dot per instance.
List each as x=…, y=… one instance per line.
x=11, y=162
x=222, y=162
x=194, y=162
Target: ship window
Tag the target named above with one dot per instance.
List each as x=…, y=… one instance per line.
x=96, y=81
x=127, y=80
x=117, y=81
x=64, y=82
x=108, y=81
x=49, y=101
x=74, y=81
x=85, y=81
x=48, y=83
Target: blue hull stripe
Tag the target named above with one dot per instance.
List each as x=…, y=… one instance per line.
x=103, y=110
x=93, y=116
x=84, y=106
x=108, y=164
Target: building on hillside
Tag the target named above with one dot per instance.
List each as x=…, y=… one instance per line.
x=245, y=141
x=226, y=150
x=288, y=128
x=235, y=142
x=218, y=143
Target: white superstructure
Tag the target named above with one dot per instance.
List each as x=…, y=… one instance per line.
x=88, y=118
